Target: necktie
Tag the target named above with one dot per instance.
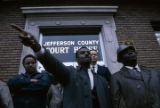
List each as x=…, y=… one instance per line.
x=93, y=70
x=137, y=73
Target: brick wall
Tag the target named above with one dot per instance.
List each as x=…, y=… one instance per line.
x=10, y=47
x=132, y=21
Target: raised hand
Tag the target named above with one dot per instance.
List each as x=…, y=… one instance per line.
x=27, y=39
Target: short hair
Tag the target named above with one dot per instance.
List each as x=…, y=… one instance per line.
x=29, y=55
x=94, y=50
x=79, y=49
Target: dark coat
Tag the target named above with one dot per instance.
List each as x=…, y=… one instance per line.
x=136, y=89
x=27, y=94
x=104, y=72
x=77, y=90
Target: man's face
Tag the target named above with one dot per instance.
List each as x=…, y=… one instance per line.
x=84, y=56
x=94, y=56
x=129, y=55
x=30, y=65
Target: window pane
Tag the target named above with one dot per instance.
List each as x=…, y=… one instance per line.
x=157, y=33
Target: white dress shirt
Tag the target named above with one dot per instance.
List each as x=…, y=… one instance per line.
x=95, y=67
x=91, y=74
x=137, y=68
x=91, y=78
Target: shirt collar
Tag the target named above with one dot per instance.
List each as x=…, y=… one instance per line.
x=137, y=67
x=95, y=67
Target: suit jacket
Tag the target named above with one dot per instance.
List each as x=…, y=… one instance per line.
x=104, y=72
x=76, y=83
x=136, y=89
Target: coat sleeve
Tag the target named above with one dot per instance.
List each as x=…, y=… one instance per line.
x=18, y=82
x=115, y=92
x=41, y=85
x=5, y=97
x=54, y=66
x=23, y=84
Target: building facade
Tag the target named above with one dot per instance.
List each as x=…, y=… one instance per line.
x=113, y=22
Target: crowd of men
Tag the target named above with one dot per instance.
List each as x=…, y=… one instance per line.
x=89, y=85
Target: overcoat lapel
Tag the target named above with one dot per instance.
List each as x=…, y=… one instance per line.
x=83, y=75
x=102, y=90
x=130, y=74
x=146, y=75
x=98, y=69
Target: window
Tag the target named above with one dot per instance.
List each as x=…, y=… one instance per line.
x=156, y=28
x=157, y=34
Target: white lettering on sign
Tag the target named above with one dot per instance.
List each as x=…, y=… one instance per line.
x=58, y=50
x=88, y=42
x=89, y=47
x=58, y=43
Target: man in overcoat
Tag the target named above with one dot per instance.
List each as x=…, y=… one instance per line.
x=82, y=88
x=134, y=86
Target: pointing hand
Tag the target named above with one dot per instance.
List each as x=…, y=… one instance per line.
x=27, y=38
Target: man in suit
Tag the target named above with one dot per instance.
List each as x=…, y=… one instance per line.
x=82, y=88
x=100, y=70
x=134, y=85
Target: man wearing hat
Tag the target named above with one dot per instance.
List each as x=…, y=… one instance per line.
x=134, y=86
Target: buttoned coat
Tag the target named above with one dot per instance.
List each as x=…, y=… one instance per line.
x=76, y=83
x=5, y=96
x=136, y=90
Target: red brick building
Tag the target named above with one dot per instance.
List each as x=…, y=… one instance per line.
x=117, y=21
